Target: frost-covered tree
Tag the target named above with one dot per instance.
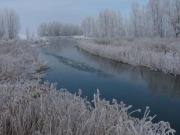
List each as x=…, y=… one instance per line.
x=158, y=18
x=9, y=24
x=110, y=24
x=140, y=21
x=43, y=30
x=2, y=25
x=150, y=20
x=173, y=13
x=13, y=24
x=56, y=28
x=105, y=23
x=157, y=9
x=136, y=18
x=27, y=34
x=70, y=30
x=146, y=25
x=89, y=27
x=120, y=29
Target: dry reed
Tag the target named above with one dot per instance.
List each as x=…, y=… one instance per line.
x=39, y=109
x=18, y=59
x=157, y=54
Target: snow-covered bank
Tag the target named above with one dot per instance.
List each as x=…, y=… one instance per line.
x=37, y=109
x=157, y=54
x=81, y=37
x=30, y=108
x=19, y=59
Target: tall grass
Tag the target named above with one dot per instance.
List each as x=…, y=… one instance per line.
x=39, y=109
x=157, y=54
x=18, y=59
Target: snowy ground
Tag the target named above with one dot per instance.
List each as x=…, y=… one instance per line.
x=157, y=54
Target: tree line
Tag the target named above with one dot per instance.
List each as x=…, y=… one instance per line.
x=10, y=27
x=56, y=28
x=159, y=18
x=9, y=24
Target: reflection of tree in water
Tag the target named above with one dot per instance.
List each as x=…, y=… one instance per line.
x=158, y=82
x=58, y=44
x=80, y=66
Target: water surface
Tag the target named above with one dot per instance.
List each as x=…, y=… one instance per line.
x=75, y=69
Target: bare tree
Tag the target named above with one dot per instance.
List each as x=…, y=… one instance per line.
x=56, y=28
x=27, y=34
x=136, y=20
x=9, y=24
x=157, y=13
x=110, y=24
x=173, y=13
x=89, y=27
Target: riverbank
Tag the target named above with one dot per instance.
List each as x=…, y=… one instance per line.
x=156, y=54
x=28, y=107
x=37, y=109
x=19, y=60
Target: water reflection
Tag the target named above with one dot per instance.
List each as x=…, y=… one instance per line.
x=138, y=86
x=79, y=65
x=157, y=82
x=58, y=45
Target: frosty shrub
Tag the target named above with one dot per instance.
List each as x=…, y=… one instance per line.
x=157, y=54
x=39, y=109
x=18, y=59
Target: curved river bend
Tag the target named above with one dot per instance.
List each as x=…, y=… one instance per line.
x=74, y=69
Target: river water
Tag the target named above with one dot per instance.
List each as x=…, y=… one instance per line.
x=75, y=69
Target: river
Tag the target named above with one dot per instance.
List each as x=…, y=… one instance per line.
x=75, y=69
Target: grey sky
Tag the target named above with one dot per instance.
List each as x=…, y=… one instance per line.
x=33, y=12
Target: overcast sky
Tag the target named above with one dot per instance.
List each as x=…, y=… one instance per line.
x=33, y=12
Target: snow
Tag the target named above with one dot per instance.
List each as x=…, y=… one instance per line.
x=81, y=37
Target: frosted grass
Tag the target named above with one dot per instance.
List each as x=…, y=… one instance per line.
x=18, y=59
x=37, y=109
x=157, y=54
